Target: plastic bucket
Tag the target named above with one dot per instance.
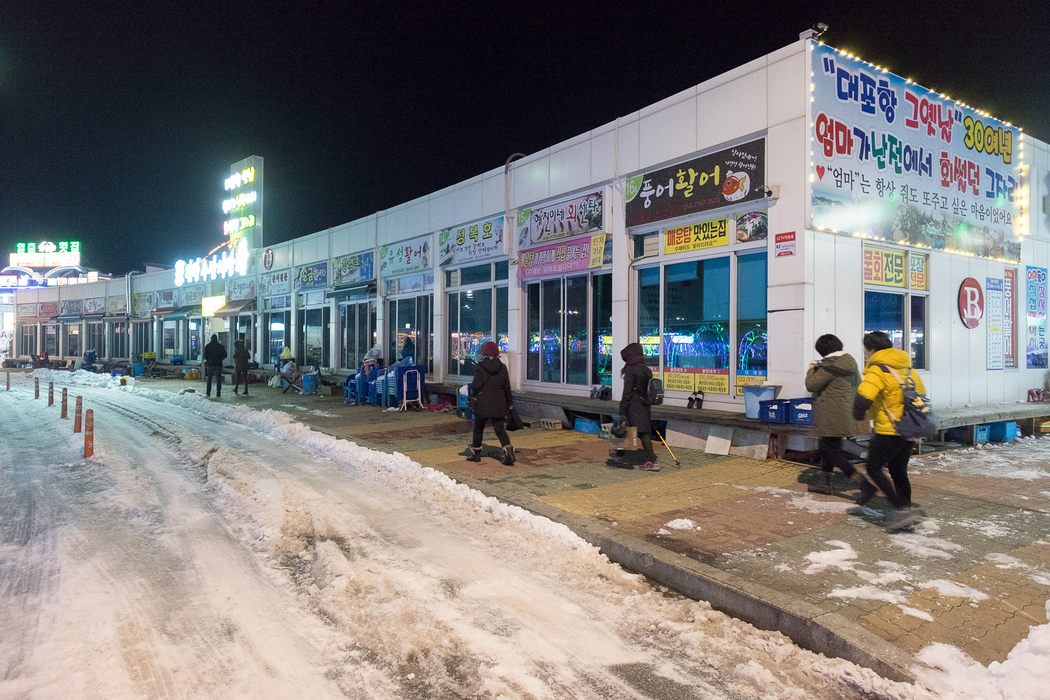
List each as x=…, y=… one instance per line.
x=309, y=383
x=753, y=395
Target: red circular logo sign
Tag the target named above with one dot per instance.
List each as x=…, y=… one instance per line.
x=971, y=302
x=268, y=258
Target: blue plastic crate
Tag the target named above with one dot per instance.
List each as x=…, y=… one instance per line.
x=980, y=432
x=773, y=411
x=1003, y=431
x=801, y=411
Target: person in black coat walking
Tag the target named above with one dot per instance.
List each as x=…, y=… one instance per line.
x=633, y=408
x=492, y=401
x=214, y=354
x=241, y=358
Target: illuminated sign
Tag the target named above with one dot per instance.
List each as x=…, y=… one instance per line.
x=221, y=266
x=240, y=201
x=243, y=203
x=209, y=305
x=46, y=254
x=243, y=177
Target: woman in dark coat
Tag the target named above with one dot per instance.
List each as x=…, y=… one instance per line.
x=241, y=358
x=636, y=378
x=492, y=401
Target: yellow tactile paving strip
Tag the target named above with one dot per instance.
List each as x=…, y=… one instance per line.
x=672, y=490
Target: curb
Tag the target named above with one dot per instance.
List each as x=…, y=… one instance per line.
x=807, y=625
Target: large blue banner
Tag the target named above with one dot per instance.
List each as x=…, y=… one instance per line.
x=897, y=162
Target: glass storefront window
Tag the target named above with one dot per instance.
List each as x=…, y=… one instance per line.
x=313, y=336
x=121, y=335
x=918, y=332
x=95, y=338
x=560, y=329
x=170, y=333
x=474, y=316
x=550, y=331
x=72, y=348
x=275, y=335
x=140, y=339
x=532, y=334
x=502, y=321
x=752, y=333
x=358, y=322
x=409, y=330
x=696, y=326
x=885, y=312
x=601, y=330
x=649, y=315
x=27, y=340
x=577, y=342
x=51, y=340
x=195, y=327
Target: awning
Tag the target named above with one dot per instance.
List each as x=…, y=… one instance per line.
x=35, y=319
x=94, y=318
x=71, y=318
x=184, y=312
x=164, y=311
x=115, y=319
x=354, y=291
x=236, y=308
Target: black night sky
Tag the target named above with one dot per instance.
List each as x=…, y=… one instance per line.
x=119, y=120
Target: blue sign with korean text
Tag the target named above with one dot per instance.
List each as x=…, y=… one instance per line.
x=311, y=276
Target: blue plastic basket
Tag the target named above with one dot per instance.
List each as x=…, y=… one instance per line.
x=773, y=411
x=980, y=432
x=1003, y=431
x=801, y=411
x=584, y=425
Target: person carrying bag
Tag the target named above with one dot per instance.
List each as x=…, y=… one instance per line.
x=491, y=399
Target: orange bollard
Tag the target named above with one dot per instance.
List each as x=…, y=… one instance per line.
x=36, y=387
x=76, y=414
x=50, y=393
x=64, y=412
x=89, y=433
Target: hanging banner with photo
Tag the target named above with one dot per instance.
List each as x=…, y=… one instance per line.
x=569, y=217
x=477, y=241
x=311, y=277
x=1035, y=303
x=570, y=256
x=410, y=256
x=993, y=322
x=730, y=176
x=898, y=162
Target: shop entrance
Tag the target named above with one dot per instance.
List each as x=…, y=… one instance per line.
x=569, y=329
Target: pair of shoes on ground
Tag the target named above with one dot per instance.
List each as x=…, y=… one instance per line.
x=245, y=393
x=506, y=456
x=696, y=400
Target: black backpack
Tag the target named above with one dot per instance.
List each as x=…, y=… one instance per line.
x=916, y=420
x=654, y=392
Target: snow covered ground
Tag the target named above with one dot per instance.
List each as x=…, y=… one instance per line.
x=210, y=550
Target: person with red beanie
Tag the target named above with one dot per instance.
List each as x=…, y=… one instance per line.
x=492, y=401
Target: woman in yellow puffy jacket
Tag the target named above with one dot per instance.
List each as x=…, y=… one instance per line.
x=881, y=396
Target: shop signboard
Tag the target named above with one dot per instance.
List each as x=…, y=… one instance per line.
x=192, y=296
x=697, y=236
x=240, y=289
x=884, y=266
x=918, y=268
x=410, y=256
x=48, y=309
x=95, y=306
x=274, y=283
x=27, y=311
x=1009, y=327
x=730, y=176
x=570, y=217
x=165, y=299
x=142, y=305
x=70, y=307
x=311, y=277
x=559, y=258
x=351, y=269
x=898, y=162
x=993, y=303
x=117, y=305
x=473, y=242
x=690, y=379
x=1035, y=302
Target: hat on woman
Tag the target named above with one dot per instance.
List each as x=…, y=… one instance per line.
x=489, y=349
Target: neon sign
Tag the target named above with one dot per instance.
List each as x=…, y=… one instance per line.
x=239, y=202
x=241, y=178
x=237, y=225
x=46, y=254
x=222, y=266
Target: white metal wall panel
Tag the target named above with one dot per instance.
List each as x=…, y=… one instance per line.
x=729, y=111
x=570, y=167
x=787, y=87
x=603, y=153
x=670, y=132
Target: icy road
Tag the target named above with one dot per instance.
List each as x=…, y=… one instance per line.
x=209, y=550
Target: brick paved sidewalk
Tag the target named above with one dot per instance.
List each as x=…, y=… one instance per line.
x=974, y=574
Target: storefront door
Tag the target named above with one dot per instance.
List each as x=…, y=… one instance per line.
x=560, y=337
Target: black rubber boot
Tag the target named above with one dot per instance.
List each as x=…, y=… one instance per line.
x=475, y=454
x=508, y=455
x=867, y=489
x=822, y=484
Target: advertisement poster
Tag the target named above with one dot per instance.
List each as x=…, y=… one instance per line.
x=1035, y=304
x=570, y=217
x=577, y=254
x=730, y=176
x=690, y=379
x=690, y=237
x=784, y=245
x=411, y=256
x=240, y=289
x=918, y=266
x=884, y=266
x=352, y=269
x=311, y=277
x=753, y=226
x=993, y=322
x=142, y=305
x=1009, y=327
x=473, y=242
x=902, y=163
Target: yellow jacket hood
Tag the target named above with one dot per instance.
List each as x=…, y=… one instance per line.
x=880, y=393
